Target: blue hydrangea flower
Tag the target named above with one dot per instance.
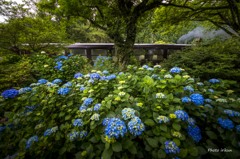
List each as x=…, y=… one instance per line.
x=188, y=88
x=231, y=113
x=2, y=128
x=171, y=147
x=197, y=99
x=111, y=77
x=68, y=84
x=200, y=84
x=69, y=55
x=191, y=121
x=145, y=66
x=208, y=100
x=181, y=115
x=186, y=100
x=24, y=90
x=62, y=57
x=194, y=132
x=97, y=107
x=78, y=122
x=48, y=132
x=57, y=81
x=63, y=91
x=115, y=128
x=83, y=108
x=91, y=81
x=175, y=70
x=135, y=126
x=10, y=93
x=87, y=101
x=59, y=65
x=83, y=134
x=154, y=76
x=150, y=69
x=226, y=123
x=208, y=105
x=128, y=113
x=42, y=81
x=162, y=119
x=82, y=88
x=74, y=135
x=95, y=76
x=78, y=75
x=214, y=80
x=238, y=128
x=106, y=121
x=211, y=90
x=120, y=73
x=31, y=140
x=105, y=72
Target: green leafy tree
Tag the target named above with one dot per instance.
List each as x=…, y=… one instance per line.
x=118, y=18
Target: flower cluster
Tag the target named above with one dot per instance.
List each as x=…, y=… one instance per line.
x=76, y=134
x=231, y=113
x=197, y=99
x=110, y=77
x=62, y=57
x=213, y=80
x=194, y=132
x=171, y=147
x=162, y=119
x=175, y=70
x=42, y=81
x=226, y=123
x=115, y=128
x=59, y=65
x=97, y=107
x=49, y=131
x=95, y=117
x=68, y=84
x=128, y=113
x=24, y=90
x=94, y=76
x=63, y=91
x=100, y=60
x=10, y=93
x=105, y=72
x=135, y=126
x=87, y=101
x=238, y=128
x=189, y=88
x=78, y=122
x=168, y=76
x=208, y=100
x=78, y=75
x=31, y=140
x=191, y=121
x=82, y=88
x=160, y=95
x=57, y=81
x=181, y=115
x=186, y=100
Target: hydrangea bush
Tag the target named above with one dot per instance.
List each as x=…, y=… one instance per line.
x=143, y=112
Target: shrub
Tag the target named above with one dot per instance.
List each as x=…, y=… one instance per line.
x=14, y=71
x=62, y=67
x=144, y=112
x=217, y=59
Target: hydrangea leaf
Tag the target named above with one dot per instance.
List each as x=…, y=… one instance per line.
x=117, y=147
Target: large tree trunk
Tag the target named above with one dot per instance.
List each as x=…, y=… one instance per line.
x=124, y=46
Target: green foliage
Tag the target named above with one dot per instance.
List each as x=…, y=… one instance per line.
x=153, y=93
x=27, y=35
x=217, y=59
x=43, y=66
x=15, y=71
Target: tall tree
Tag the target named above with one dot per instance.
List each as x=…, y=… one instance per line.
x=118, y=18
